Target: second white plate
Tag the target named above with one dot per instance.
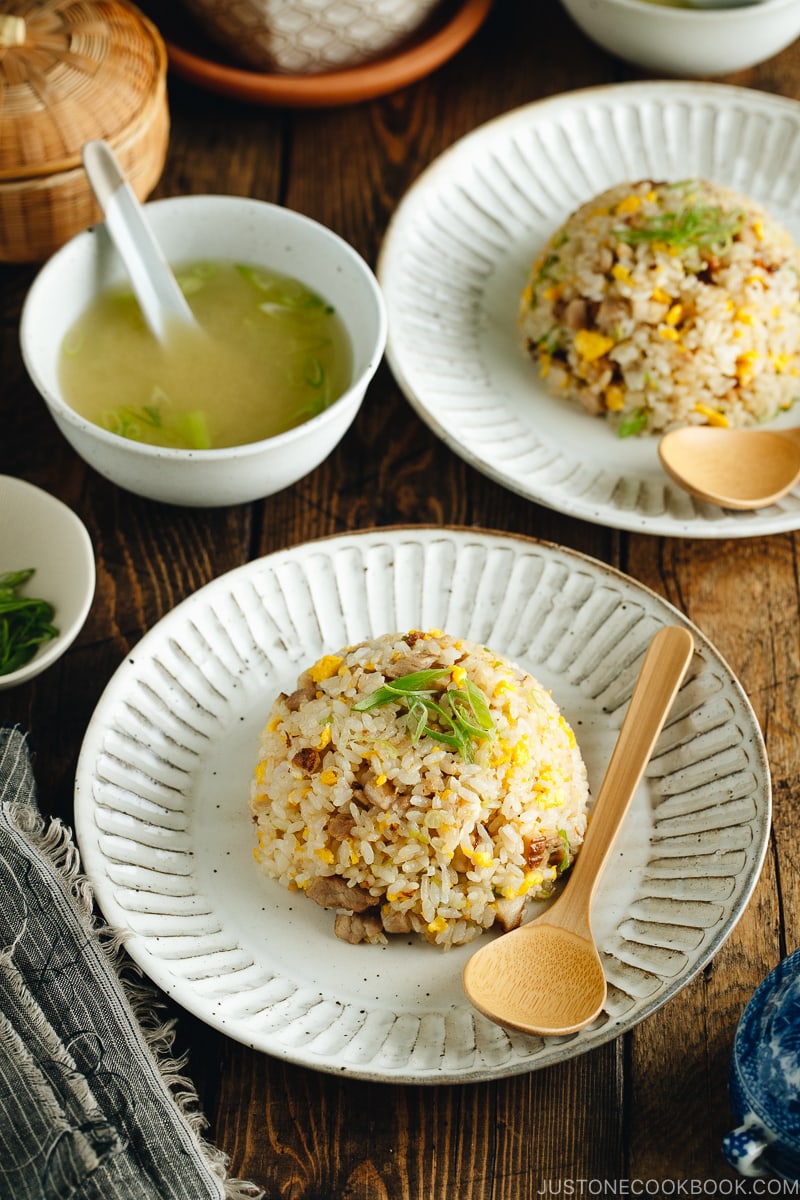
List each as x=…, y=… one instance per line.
x=457, y=255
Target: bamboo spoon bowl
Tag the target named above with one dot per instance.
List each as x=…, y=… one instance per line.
x=546, y=977
x=723, y=3
x=735, y=468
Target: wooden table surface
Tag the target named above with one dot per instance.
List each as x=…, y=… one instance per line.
x=650, y=1106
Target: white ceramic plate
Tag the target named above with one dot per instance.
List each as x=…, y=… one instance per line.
x=457, y=255
x=163, y=823
x=37, y=530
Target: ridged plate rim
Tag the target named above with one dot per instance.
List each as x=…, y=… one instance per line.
x=456, y=256
x=165, y=834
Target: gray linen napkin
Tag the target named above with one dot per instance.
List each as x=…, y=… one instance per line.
x=92, y=1105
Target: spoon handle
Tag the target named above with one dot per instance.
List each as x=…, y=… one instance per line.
x=154, y=284
x=665, y=664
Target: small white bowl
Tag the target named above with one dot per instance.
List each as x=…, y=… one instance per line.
x=39, y=531
x=688, y=41
x=308, y=37
x=228, y=228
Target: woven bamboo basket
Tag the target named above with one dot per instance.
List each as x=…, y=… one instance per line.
x=70, y=71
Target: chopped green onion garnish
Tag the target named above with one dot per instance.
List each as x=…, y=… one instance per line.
x=284, y=293
x=549, y=341
x=189, y=284
x=471, y=710
x=206, y=270
x=632, y=424
x=456, y=718
x=194, y=429
x=195, y=277
x=314, y=373
x=25, y=622
x=544, y=270
x=418, y=683
x=703, y=225
x=188, y=431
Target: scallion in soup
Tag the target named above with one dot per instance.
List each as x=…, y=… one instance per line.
x=270, y=354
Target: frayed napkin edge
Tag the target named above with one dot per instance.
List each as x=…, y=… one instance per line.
x=54, y=840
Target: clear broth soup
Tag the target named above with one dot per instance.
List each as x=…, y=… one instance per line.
x=270, y=354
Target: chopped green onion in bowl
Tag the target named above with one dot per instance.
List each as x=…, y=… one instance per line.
x=25, y=621
x=47, y=580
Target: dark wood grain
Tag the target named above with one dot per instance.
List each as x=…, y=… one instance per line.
x=650, y=1106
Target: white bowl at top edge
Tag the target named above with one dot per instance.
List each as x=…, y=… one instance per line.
x=205, y=226
x=688, y=41
x=38, y=530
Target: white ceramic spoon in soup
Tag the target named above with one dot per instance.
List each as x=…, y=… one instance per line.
x=546, y=977
x=161, y=300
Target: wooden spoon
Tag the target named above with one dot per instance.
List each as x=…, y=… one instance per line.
x=723, y=3
x=735, y=468
x=546, y=977
x=161, y=300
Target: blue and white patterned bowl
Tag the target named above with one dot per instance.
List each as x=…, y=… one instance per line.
x=765, y=1078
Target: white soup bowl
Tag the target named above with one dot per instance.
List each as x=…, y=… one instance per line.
x=688, y=41
x=230, y=228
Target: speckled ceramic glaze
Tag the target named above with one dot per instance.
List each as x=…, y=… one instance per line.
x=309, y=36
x=166, y=837
x=456, y=256
x=765, y=1072
x=227, y=228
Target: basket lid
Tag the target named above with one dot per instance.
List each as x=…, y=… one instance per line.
x=70, y=71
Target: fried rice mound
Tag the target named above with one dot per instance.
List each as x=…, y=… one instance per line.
x=418, y=784
x=658, y=305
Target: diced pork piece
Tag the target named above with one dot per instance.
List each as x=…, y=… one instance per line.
x=383, y=797
x=592, y=401
x=459, y=862
x=647, y=312
x=331, y=891
x=575, y=314
x=306, y=690
x=340, y=826
x=407, y=664
x=611, y=312
x=605, y=259
x=535, y=850
x=358, y=927
x=379, y=794
x=396, y=922
x=308, y=759
x=509, y=912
